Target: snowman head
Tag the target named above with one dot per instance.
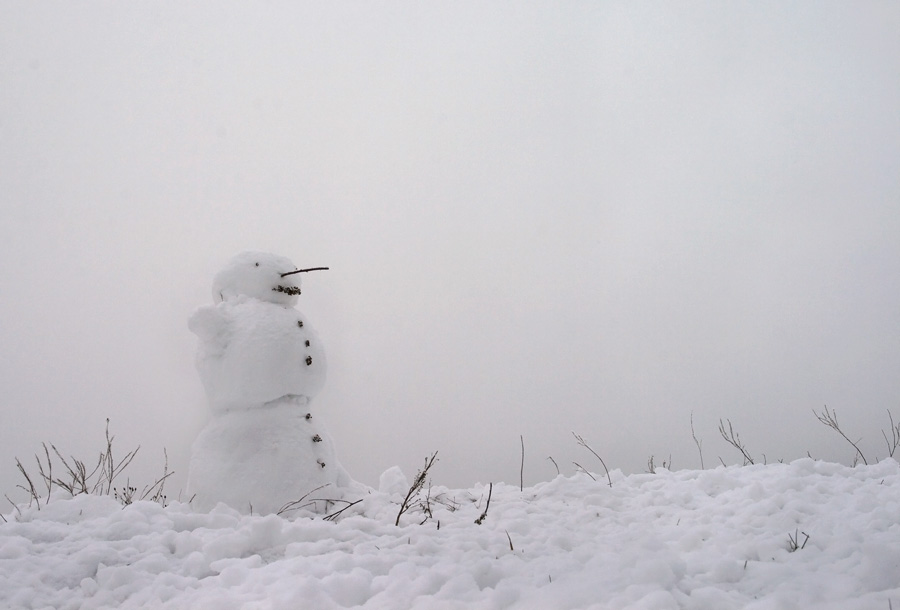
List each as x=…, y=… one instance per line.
x=259, y=275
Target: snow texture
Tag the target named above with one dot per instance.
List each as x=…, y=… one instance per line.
x=705, y=540
x=261, y=364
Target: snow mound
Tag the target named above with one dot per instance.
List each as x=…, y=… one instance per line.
x=802, y=535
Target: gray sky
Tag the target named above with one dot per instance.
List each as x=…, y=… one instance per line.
x=597, y=217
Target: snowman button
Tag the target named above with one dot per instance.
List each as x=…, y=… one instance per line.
x=308, y=360
x=300, y=323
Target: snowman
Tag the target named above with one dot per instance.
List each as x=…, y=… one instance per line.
x=261, y=364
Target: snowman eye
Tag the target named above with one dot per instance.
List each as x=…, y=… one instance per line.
x=257, y=264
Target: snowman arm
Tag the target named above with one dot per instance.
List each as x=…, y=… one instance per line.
x=208, y=323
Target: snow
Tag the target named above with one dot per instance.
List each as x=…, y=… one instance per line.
x=701, y=539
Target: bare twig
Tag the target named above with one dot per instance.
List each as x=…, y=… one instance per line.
x=830, y=420
x=697, y=442
x=508, y=537
x=733, y=439
x=49, y=478
x=550, y=457
x=584, y=470
x=336, y=514
x=159, y=484
x=110, y=468
x=588, y=447
x=305, y=271
x=450, y=504
x=895, y=436
x=425, y=504
x=483, y=516
x=32, y=492
x=14, y=505
x=522, y=465
x=297, y=504
x=794, y=541
x=416, y=487
x=651, y=465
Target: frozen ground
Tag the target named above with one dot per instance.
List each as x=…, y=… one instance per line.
x=711, y=539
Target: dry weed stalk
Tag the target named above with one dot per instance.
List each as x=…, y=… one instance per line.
x=416, y=487
x=895, y=436
x=829, y=418
x=733, y=439
x=697, y=442
x=582, y=443
x=487, y=505
x=77, y=478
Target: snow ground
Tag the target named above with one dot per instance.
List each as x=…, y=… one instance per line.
x=702, y=539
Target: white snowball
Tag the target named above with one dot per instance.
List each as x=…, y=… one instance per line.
x=393, y=481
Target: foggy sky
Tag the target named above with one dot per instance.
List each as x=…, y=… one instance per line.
x=599, y=217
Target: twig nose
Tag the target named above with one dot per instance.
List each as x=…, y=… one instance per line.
x=305, y=270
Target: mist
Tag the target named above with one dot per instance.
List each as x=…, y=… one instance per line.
x=613, y=219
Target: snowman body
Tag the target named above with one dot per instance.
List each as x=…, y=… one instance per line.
x=253, y=352
x=261, y=365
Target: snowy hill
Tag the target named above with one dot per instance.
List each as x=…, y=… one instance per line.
x=803, y=535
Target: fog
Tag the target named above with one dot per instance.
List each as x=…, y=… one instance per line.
x=603, y=218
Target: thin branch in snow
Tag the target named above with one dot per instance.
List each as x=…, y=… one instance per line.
x=697, y=442
x=522, y=465
x=550, y=457
x=588, y=447
x=733, y=439
x=483, y=516
x=895, y=436
x=584, y=470
x=829, y=418
x=416, y=487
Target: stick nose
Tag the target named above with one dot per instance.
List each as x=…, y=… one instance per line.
x=305, y=270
